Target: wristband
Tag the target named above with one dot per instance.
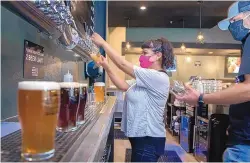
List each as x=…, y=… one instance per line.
x=200, y=100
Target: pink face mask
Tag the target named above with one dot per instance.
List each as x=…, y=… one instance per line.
x=145, y=61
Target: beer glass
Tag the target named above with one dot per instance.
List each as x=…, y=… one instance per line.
x=82, y=104
x=99, y=89
x=69, y=107
x=96, y=57
x=38, y=105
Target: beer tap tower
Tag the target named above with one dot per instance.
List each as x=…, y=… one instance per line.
x=68, y=23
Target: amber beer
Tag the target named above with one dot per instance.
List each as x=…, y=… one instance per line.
x=96, y=57
x=99, y=89
x=38, y=105
x=67, y=119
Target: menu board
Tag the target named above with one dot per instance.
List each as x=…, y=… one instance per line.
x=33, y=61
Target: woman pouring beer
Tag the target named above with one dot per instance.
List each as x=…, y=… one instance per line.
x=145, y=99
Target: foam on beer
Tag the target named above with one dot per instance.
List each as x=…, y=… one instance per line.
x=38, y=85
x=69, y=85
x=83, y=85
x=100, y=84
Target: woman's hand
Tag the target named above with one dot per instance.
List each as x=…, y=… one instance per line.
x=97, y=39
x=117, y=59
x=103, y=62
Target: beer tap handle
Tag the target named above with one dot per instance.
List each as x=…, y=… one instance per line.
x=92, y=19
x=92, y=29
x=54, y=8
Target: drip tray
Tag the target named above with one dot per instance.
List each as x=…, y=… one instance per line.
x=11, y=144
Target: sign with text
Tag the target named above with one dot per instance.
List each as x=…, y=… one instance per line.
x=33, y=61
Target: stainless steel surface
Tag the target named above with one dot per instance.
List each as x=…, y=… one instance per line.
x=93, y=143
x=11, y=144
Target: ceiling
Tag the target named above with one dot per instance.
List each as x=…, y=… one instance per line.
x=161, y=13
x=195, y=51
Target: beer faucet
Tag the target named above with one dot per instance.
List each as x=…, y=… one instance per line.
x=42, y=3
x=46, y=10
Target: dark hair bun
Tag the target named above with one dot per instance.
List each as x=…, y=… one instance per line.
x=168, y=53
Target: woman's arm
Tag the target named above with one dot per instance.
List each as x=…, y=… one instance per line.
x=121, y=63
x=119, y=83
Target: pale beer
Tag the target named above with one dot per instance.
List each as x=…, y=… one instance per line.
x=99, y=89
x=38, y=105
x=96, y=57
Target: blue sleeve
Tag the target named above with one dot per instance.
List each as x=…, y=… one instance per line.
x=245, y=60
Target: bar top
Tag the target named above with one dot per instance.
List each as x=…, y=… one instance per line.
x=93, y=140
x=86, y=144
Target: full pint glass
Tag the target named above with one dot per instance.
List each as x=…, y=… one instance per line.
x=69, y=107
x=82, y=104
x=96, y=57
x=99, y=89
x=38, y=105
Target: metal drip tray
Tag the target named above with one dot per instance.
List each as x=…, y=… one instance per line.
x=11, y=144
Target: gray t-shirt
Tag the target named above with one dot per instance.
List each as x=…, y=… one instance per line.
x=145, y=100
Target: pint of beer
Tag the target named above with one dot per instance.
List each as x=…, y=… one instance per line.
x=82, y=104
x=69, y=107
x=38, y=105
x=99, y=89
x=96, y=57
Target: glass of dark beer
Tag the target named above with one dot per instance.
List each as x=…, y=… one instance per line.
x=69, y=107
x=82, y=104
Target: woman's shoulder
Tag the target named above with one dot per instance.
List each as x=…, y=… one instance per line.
x=161, y=74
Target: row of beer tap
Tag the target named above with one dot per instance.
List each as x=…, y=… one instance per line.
x=59, y=12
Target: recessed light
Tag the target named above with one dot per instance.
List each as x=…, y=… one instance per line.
x=171, y=22
x=143, y=7
x=183, y=47
x=128, y=45
x=188, y=59
x=210, y=52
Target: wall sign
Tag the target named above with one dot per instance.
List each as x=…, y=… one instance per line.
x=33, y=61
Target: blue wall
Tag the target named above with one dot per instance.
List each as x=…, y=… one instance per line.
x=100, y=25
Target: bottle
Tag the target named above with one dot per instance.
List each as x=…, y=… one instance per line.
x=68, y=77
